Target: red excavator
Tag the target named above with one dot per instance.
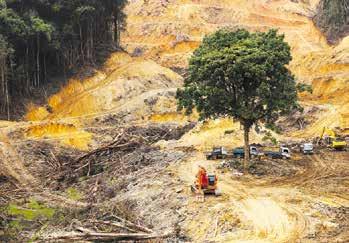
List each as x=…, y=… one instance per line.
x=205, y=183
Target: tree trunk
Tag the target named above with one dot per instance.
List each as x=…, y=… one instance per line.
x=247, y=127
x=7, y=100
x=38, y=61
x=116, y=28
x=45, y=69
x=81, y=44
x=2, y=70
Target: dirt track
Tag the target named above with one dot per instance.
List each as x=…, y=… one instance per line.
x=268, y=210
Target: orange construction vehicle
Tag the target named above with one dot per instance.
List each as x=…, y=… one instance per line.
x=205, y=183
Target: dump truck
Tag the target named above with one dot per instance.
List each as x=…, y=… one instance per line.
x=240, y=152
x=217, y=153
x=283, y=153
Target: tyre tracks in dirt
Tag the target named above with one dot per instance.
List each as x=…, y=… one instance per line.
x=329, y=166
x=262, y=215
x=275, y=210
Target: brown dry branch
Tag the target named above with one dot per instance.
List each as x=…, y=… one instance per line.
x=98, y=236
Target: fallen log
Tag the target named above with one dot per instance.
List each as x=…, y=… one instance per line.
x=136, y=226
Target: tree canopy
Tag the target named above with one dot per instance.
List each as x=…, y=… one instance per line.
x=51, y=37
x=241, y=75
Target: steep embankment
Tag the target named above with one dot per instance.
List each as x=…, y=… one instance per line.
x=122, y=79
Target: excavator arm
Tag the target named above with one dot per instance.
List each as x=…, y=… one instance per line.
x=329, y=132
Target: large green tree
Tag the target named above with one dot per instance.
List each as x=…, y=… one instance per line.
x=240, y=75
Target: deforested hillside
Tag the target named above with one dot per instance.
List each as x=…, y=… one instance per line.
x=168, y=32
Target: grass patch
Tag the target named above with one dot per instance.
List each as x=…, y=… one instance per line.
x=30, y=211
x=73, y=194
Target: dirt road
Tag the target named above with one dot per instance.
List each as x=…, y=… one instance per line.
x=266, y=210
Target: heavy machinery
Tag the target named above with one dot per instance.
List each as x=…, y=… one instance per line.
x=330, y=138
x=283, y=153
x=306, y=148
x=205, y=183
x=240, y=152
x=217, y=153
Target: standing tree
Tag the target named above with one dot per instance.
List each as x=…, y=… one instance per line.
x=241, y=75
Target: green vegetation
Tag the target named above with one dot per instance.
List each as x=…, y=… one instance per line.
x=333, y=18
x=241, y=75
x=273, y=127
x=24, y=215
x=31, y=211
x=73, y=194
x=44, y=38
x=301, y=87
x=269, y=137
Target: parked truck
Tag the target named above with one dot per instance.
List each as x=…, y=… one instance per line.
x=283, y=153
x=307, y=148
x=217, y=153
x=240, y=152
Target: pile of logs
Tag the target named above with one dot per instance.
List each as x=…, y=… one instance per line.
x=127, y=141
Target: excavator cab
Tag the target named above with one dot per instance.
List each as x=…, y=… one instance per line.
x=211, y=180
